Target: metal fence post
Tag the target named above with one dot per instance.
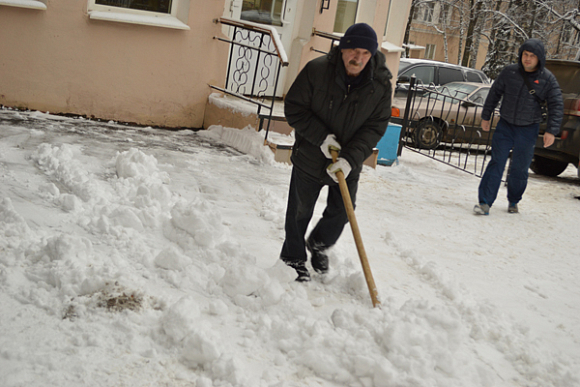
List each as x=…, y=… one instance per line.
x=410, y=95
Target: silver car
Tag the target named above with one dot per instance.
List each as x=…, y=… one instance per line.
x=450, y=114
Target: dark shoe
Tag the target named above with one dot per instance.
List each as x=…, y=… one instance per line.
x=513, y=208
x=481, y=209
x=300, y=267
x=319, y=258
x=303, y=275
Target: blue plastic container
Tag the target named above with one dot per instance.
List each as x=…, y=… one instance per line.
x=388, y=145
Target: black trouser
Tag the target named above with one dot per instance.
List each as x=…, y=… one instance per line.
x=302, y=197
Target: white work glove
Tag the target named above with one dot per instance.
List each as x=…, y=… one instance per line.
x=329, y=144
x=340, y=165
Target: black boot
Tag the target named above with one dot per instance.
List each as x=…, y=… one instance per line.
x=300, y=267
x=319, y=258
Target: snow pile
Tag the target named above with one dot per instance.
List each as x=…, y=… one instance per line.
x=246, y=140
x=59, y=164
x=14, y=227
x=144, y=266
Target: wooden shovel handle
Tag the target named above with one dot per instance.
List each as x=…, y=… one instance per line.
x=356, y=233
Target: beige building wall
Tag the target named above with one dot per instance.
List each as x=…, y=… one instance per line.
x=424, y=33
x=426, y=36
x=397, y=12
x=61, y=61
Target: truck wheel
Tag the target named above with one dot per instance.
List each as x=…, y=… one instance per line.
x=547, y=167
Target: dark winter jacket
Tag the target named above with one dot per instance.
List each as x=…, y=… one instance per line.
x=319, y=103
x=519, y=107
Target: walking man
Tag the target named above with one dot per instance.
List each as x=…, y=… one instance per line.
x=342, y=102
x=523, y=87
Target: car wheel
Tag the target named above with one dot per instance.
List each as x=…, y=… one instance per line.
x=427, y=134
x=547, y=167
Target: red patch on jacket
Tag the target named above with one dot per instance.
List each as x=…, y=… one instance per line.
x=536, y=81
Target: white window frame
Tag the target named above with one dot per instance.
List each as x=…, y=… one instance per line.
x=424, y=12
x=429, y=11
x=177, y=18
x=570, y=35
x=356, y=13
x=30, y=4
x=444, y=14
x=430, y=51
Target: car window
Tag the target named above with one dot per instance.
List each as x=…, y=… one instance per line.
x=457, y=92
x=473, y=76
x=447, y=75
x=479, y=97
x=403, y=66
x=424, y=74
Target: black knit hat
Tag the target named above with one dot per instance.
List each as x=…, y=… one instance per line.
x=360, y=35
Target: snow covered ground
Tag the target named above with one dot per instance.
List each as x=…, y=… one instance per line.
x=141, y=257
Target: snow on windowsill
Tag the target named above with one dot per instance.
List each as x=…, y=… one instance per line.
x=122, y=17
x=31, y=4
x=391, y=47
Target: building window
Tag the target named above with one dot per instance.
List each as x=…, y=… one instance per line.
x=430, y=51
x=163, y=6
x=158, y=13
x=444, y=14
x=263, y=11
x=567, y=34
x=30, y=4
x=345, y=15
x=429, y=10
x=424, y=12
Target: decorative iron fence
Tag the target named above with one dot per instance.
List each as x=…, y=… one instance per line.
x=255, y=59
x=443, y=123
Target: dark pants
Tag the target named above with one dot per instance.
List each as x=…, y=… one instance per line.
x=302, y=197
x=521, y=141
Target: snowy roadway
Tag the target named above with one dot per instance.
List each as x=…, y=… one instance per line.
x=142, y=257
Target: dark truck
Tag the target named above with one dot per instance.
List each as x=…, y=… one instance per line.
x=554, y=160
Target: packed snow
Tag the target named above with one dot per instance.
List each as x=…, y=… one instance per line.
x=137, y=257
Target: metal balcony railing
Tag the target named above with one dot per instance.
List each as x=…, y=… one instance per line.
x=326, y=35
x=255, y=59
